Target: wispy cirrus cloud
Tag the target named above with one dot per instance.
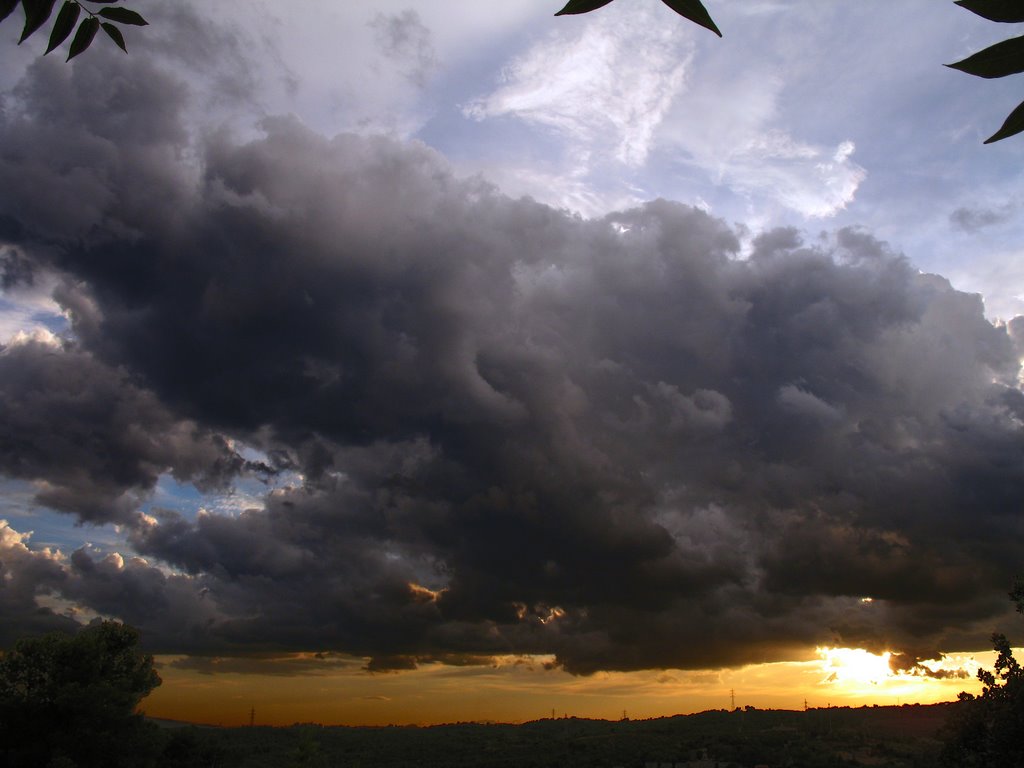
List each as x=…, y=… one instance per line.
x=623, y=84
x=587, y=83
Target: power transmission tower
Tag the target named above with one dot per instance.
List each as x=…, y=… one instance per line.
x=732, y=697
x=252, y=717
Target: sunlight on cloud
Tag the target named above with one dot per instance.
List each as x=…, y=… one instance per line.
x=27, y=307
x=801, y=177
x=858, y=672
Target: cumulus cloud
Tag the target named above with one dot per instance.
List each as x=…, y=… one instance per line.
x=94, y=443
x=512, y=430
x=47, y=589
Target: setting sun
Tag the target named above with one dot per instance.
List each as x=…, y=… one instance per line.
x=858, y=675
x=855, y=665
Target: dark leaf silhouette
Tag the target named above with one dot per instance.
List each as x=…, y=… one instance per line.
x=999, y=60
x=37, y=12
x=1014, y=124
x=114, y=34
x=7, y=8
x=66, y=20
x=1011, y=11
x=582, y=6
x=84, y=36
x=695, y=11
x=123, y=16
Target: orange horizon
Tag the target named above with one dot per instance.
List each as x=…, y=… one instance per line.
x=520, y=689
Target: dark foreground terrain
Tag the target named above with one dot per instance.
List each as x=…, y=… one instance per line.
x=871, y=736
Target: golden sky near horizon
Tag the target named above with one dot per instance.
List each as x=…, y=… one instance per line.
x=338, y=691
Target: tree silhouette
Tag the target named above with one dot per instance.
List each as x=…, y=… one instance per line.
x=987, y=729
x=70, y=699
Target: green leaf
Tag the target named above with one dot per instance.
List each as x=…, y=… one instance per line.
x=66, y=20
x=36, y=14
x=582, y=6
x=114, y=34
x=1013, y=125
x=123, y=16
x=1010, y=11
x=7, y=8
x=84, y=36
x=999, y=60
x=695, y=11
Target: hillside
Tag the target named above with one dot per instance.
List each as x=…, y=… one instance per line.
x=875, y=736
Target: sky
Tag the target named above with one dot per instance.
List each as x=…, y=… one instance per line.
x=405, y=362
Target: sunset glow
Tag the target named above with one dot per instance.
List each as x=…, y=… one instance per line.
x=518, y=689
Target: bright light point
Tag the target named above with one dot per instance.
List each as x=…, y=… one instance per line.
x=854, y=665
x=867, y=599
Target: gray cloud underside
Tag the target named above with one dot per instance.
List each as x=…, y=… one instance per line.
x=610, y=440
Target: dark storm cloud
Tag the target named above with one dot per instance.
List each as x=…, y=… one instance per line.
x=515, y=431
x=94, y=443
x=903, y=663
x=15, y=270
x=286, y=666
